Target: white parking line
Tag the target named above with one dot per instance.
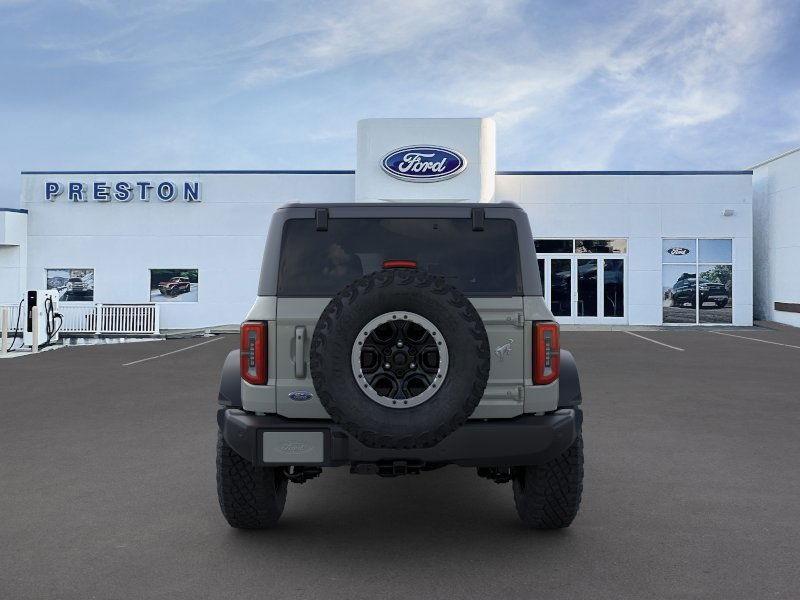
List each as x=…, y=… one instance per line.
x=654, y=341
x=141, y=360
x=756, y=340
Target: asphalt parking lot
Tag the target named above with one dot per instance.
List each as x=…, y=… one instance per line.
x=692, y=487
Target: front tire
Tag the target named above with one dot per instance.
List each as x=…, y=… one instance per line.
x=250, y=497
x=548, y=496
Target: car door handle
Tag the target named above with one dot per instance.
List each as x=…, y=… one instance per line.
x=300, y=352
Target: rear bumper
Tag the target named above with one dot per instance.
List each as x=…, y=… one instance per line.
x=525, y=440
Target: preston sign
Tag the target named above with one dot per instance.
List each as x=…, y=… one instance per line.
x=123, y=191
x=423, y=163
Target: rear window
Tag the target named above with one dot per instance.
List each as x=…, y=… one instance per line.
x=320, y=263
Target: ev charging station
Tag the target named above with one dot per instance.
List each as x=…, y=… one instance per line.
x=43, y=321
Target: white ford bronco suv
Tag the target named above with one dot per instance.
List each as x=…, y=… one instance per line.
x=396, y=339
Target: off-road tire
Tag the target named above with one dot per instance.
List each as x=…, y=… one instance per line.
x=250, y=497
x=429, y=296
x=548, y=496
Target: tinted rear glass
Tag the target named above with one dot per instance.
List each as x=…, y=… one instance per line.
x=320, y=263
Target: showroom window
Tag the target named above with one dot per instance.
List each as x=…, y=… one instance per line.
x=553, y=246
x=616, y=246
x=73, y=285
x=697, y=281
x=583, y=280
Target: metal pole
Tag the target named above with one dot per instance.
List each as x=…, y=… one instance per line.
x=35, y=341
x=4, y=328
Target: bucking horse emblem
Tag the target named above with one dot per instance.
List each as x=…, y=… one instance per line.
x=504, y=350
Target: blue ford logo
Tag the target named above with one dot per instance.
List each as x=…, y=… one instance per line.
x=678, y=251
x=300, y=396
x=423, y=163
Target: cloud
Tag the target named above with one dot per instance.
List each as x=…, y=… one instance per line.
x=579, y=85
x=685, y=65
x=693, y=66
x=338, y=34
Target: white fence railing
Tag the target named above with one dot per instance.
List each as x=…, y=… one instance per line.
x=12, y=316
x=78, y=318
x=99, y=318
x=128, y=318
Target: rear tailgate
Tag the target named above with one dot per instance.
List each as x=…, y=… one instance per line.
x=297, y=318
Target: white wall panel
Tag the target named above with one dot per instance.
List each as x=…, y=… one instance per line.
x=644, y=209
x=13, y=255
x=573, y=189
x=644, y=314
x=644, y=253
x=644, y=288
x=777, y=243
x=690, y=220
x=223, y=236
x=508, y=188
x=644, y=219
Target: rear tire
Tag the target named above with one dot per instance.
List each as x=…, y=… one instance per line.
x=250, y=497
x=548, y=496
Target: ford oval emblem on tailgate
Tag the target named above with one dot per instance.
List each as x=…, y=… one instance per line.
x=300, y=396
x=295, y=448
x=423, y=163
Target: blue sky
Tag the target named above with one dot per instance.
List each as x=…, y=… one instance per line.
x=193, y=84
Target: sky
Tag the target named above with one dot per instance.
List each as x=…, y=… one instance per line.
x=196, y=84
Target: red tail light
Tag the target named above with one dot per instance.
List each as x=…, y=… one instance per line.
x=399, y=264
x=546, y=353
x=253, y=352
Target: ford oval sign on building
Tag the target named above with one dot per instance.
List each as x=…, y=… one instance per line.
x=678, y=251
x=423, y=163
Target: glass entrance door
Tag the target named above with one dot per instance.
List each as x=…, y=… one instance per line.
x=584, y=289
x=585, y=270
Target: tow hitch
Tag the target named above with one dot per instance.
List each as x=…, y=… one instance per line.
x=302, y=474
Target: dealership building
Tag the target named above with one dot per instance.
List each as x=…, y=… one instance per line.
x=614, y=247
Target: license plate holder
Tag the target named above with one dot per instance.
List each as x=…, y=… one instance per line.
x=293, y=447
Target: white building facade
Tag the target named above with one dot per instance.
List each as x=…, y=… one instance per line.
x=635, y=248
x=776, y=197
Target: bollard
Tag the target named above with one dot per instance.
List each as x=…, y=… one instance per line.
x=4, y=331
x=35, y=341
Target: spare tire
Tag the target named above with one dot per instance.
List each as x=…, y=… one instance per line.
x=400, y=359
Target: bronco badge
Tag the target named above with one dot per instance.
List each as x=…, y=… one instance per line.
x=504, y=350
